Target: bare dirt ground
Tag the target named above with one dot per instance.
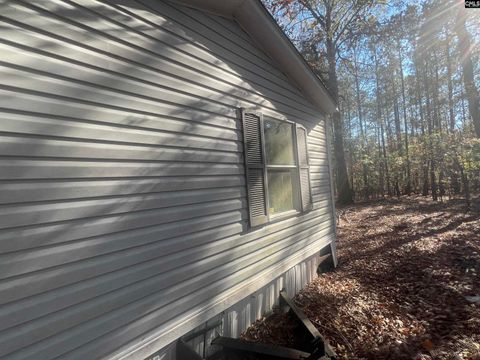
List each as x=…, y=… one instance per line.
x=407, y=285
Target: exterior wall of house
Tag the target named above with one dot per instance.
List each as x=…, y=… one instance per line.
x=122, y=194
x=233, y=321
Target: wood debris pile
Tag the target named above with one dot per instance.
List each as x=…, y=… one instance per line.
x=405, y=288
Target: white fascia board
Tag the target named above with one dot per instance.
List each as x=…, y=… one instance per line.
x=252, y=16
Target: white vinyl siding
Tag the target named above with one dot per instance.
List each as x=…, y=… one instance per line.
x=123, y=212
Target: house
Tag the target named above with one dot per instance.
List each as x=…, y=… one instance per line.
x=164, y=165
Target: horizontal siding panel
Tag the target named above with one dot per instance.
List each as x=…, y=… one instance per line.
x=133, y=44
x=322, y=191
x=322, y=196
x=319, y=128
x=34, y=191
x=47, y=234
x=53, y=87
x=318, y=133
x=159, y=75
x=77, y=129
x=32, y=214
x=318, y=140
x=123, y=205
x=157, y=301
x=68, y=109
x=318, y=157
x=121, y=241
x=318, y=161
x=194, y=316
x=236, y=44
x=172, y=18
x=52, y=169
x=314, y=176
x=26, y=147
x=233, y=29
x=319, y=169
x=316, y=146
x=150, y=271
x=94, y=60
x=165, y=90
x=131, y=266
x=321, y=182
x=55, y=278
x=185, y=304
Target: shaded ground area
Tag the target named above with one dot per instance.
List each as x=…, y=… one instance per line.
x=405, y=287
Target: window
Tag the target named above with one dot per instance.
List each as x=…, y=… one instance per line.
x=281, y=166
x=277, y=169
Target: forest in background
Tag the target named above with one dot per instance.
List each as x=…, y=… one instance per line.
x=406, y=77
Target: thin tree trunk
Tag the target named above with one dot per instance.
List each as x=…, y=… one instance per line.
x=451, y=115
x=438, y=126
x=343, y=187
x=396, y=112
x=418, y=91
x=464, y=111
x=385, y=160
x=398, y=131
x=362, y=130
x=408, y=187
x=381, y=171
x=381, y=140
x=454, y=182
x=465, y=183
x=464, y=44
x=430, y=133
x=436, y=101
x=350, y=144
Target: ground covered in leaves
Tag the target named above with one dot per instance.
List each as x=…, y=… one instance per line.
x=407, y=285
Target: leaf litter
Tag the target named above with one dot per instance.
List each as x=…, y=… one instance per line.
x=408, y=271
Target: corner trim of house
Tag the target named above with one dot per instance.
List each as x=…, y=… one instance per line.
x=328, y=124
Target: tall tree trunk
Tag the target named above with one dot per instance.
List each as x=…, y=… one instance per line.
x=430, y=123
x=454, y=182
x=408, y=187
x=362, y=130
x=343, y=187
x=398, y=130
x=439, y=128
x=381, y=171
x=418, y=93
x=465, y=181
x=451, y=115
x=464, y=110
x=386, y=140
x=436, y=101
x=385, y=160
x=381, y=140
x=464, y=47
x=350, y=142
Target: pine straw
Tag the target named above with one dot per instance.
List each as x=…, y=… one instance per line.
x=405, y=269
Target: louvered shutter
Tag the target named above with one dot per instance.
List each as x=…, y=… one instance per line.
x=303, y=169
x=255, y=167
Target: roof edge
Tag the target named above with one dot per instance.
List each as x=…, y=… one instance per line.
x=255, y=19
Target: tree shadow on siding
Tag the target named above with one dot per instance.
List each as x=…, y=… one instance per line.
x=72, y=250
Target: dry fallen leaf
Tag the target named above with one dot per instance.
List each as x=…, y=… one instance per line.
x=401, y=278
x=427, y=345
